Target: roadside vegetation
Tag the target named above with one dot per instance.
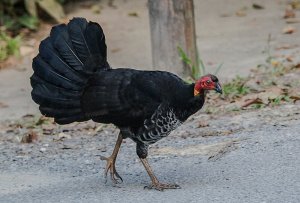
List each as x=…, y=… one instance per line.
x=273, y=83
x=20, y=17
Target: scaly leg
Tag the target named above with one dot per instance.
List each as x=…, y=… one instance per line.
x=110, y=165
x=155, y=183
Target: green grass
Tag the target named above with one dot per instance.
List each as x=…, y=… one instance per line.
x=278, y=100
x=235, y=88
x=9, y=46
x=198, y=69
x=195, y=70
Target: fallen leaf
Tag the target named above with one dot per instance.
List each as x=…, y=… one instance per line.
x=294, y=93
x=251, y=101
x=287, y=46
x=288, y=30
x=96, y=9
x=289, y=12
x=295, y=98
x=295, y=4
x=240, y=13
x=28, y=116
x=133, y=14
x=257, y=6
x=30, y=137
x=115, y=50
x=270, y=94
x=2, y=105
x=203, y=124
x=289, y=59
x=64, y=135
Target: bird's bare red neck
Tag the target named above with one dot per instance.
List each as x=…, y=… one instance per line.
x=200, y=86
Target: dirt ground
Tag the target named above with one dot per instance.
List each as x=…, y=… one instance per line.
x=232, y=33
x=248, y=156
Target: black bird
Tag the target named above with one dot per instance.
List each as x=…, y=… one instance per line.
x=73, y=81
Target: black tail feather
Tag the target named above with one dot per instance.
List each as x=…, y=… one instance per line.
x=61, y=41
x=49, y=54
x=48, y=73
x=67, y=59
x=76, y=29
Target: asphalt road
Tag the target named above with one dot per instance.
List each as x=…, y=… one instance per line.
x=258, y=162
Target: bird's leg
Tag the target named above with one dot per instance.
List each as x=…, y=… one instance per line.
x=142, y=152
x=155, y=183
x=110, y=165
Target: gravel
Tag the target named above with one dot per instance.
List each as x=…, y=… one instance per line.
x=246, y=157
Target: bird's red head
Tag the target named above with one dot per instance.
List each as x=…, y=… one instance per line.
x=207, y=82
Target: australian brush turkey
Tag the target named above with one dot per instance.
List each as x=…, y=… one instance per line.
x=73, y=81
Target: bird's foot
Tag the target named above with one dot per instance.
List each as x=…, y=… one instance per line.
x=110, y=166
x=161, y=186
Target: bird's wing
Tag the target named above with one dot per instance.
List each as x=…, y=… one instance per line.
x=122, y=97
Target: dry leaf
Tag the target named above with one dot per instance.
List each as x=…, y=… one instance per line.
x=203, y=124
x=64, y=135
x=295, y=98
x=287, y=46
x=2, y=105
x=133, y=14
x=289, y=13
x=294, y=93
x=263, y=97
x=257, y=6
x=240, y=13
x=96, y=9
x=115, y=50
x=251, y=101
x=30, y=137
x=289, y=59
x=288, y=30
x=295, y=4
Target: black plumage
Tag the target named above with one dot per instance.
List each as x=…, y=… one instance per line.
x=73, y=81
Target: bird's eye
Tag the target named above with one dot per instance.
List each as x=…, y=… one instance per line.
x=207, y=81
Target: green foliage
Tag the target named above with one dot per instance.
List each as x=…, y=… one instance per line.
x=14, y=16
x=9, y=46
x=28, y=21
x=17, y=14
x=197, y=69
x=278, y=100
x=235, y=88
x=258, y=106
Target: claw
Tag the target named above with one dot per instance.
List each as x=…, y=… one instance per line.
x=110, y=166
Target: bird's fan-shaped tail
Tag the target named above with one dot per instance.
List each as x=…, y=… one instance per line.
x=66, y=60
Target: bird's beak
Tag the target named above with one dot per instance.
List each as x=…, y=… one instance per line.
x=218, y=88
